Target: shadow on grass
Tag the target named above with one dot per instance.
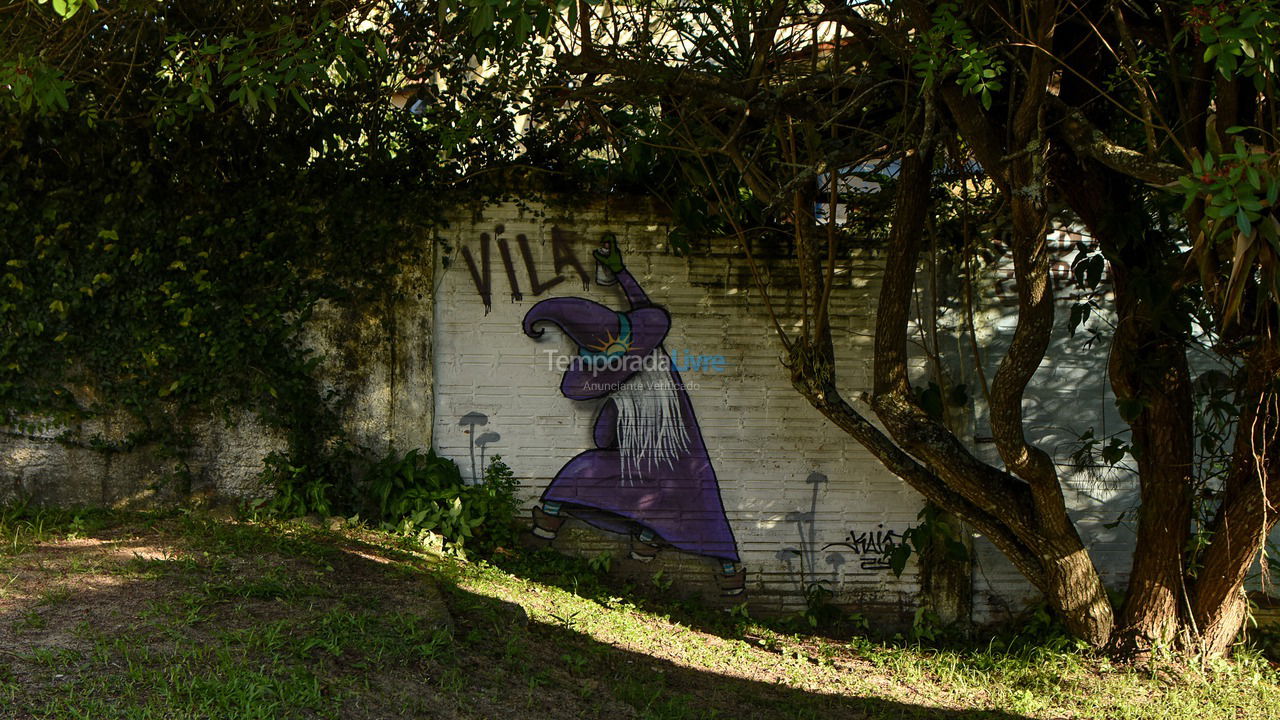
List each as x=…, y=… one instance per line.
x=701, y=607
x=242, y=621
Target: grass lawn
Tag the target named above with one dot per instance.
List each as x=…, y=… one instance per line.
x=106, y=615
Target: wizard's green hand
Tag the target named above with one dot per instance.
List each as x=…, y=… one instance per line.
x=609, y=254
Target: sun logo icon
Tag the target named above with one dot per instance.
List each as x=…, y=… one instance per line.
x=611, y=345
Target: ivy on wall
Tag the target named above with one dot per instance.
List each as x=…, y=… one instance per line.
x=181, y=184
x=150, y=283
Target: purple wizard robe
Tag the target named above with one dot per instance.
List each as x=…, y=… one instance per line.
x=679, y=501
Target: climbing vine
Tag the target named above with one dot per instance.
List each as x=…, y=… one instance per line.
x=181, y=185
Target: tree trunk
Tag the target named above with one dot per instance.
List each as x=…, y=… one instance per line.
x=1249, y=510
x=1148, y=370
x=1149, y=367
x=1051, y=554
x=946, y=582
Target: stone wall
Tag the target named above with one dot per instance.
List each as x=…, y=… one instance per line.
x=375, y=360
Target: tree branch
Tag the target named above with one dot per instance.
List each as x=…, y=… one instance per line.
x=1088, y=141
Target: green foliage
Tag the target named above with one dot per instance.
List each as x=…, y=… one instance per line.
x=1235, y=180
x=1040, y=631
x=297, y=492
x=1266, y=641
x=661, y=581
x=1090, y=449
x=167, y=227
x=1215, y=419
x=24, y=525
x=1240, y=37
x=418, y=492
x=934, y=534
x=949, y=47
x=1087, y=268
x=498, y=24
x=1239, y=190
x=68, y=8
x=601, y=563
x=414, y=494
x=302, y=59
x=1239, y=187
x=926, y=626
x=34, y=84
x=819, y=611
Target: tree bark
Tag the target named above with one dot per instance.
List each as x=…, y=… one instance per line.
x=1148, y=366
x=1148, y=369
x=1249, y=510
x=1036, y=517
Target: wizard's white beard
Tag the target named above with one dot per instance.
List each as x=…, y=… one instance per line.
x=651, y=428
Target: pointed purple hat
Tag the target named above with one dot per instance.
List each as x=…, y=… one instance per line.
x=610, y=344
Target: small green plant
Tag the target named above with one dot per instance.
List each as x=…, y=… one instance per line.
x=501, y=503
x=576, y=662
x=933, y=534
x=1040, y=631
x=418, y=492
x=297, y=490
x=516, y=652
x=950, y=48
x=857, y=621
x=661, y=581
x=76, y=527
x=926, y=625
x=418, y=495
x=1264, y=641
x=601, y=563
x=818, y=610
x=30, y=620
x=569, y=621
x=54, y=596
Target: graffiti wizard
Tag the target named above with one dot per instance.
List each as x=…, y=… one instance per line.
x=649, y=475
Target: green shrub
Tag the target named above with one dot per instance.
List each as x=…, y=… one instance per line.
x=410, y=493
x=297, y=491
x=418, y=492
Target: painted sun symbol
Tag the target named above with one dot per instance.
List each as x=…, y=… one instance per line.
x=612, y=345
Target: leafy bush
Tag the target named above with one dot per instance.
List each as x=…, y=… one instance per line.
x=416, y=492
x=410, y=493
x=297, y=491
x=146, y=271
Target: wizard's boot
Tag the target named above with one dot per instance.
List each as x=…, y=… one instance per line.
x=644, y=546
x=545, y=525
x=732, y=579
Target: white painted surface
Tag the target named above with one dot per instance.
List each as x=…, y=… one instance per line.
x=764, y=440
